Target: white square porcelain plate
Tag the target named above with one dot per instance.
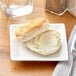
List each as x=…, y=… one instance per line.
x=20, y=53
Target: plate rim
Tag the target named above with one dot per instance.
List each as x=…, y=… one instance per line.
x=11, y=58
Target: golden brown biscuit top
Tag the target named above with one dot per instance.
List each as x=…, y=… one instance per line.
x=30, y=25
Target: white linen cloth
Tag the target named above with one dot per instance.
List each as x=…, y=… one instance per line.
x=63, y=67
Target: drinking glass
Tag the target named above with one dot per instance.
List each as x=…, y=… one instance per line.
x=15, y=8
x=56, y=6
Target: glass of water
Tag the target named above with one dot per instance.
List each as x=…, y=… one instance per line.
x=15, y=8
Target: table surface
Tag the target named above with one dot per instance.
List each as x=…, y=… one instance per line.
x=30, y=68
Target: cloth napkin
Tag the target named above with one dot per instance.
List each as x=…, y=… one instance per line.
x=63, y=67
